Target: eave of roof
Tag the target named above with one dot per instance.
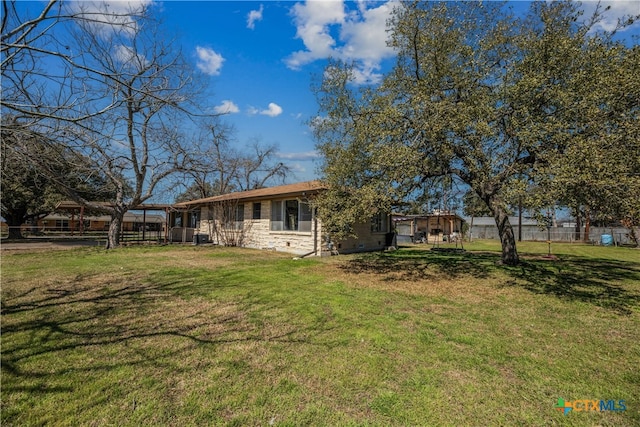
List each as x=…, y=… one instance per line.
x=261, y=193
x=69, y=204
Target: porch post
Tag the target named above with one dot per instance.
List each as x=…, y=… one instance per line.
x=144, y=224
x=166, y=224
x=81, y=220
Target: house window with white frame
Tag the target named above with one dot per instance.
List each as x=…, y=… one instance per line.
x=290, y=215
x=234, y=216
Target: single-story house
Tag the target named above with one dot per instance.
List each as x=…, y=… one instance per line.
x=436, y=227
x=280, y=218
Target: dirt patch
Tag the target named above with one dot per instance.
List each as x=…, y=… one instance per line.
x=44, y=245
x=418, y=280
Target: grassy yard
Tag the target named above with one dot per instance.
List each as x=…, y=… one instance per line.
x=222, y=336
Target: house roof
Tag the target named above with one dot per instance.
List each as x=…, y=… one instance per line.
x=128, y=217
x=70, y=205
x=261, y=193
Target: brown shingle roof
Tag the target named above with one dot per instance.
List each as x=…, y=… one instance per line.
x=262, y=193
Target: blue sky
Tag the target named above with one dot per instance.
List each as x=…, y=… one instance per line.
x=260, y=58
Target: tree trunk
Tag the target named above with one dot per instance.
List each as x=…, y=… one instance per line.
x=115, y=227
x=507, y=237
x=520, y=219
x=587, y=225
x=634, y=237
x=14, y=223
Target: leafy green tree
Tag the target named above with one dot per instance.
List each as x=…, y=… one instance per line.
x=473, y=205
x=611, y=157
x=27, y=193
x=441, y=111
x=580, y=93
x=476, y=94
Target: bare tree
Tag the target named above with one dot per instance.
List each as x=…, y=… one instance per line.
x=41, y=65
x=114, y=96
x=216, y=166
x=258, y=166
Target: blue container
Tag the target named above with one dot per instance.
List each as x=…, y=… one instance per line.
x=606, y=240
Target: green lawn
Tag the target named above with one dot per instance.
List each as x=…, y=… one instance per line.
x=223, y=336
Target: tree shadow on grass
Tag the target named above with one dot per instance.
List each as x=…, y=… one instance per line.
x=147, y=323
x=611, y=284
x=424, y=264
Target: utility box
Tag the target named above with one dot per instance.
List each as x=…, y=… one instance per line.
x=200, y=238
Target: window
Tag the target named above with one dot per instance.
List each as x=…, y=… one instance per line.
x=305, y=217
x=290, y=215
x=257, y=208
x=379, y=223
x=194, y=219
x=276, y=216
x=240, y=213
x=234, y=216
x=177, y=219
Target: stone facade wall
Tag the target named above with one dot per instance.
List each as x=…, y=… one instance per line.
x=258, y=234
x=366, y=241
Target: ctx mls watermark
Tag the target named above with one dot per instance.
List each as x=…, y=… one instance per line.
x=590, y=405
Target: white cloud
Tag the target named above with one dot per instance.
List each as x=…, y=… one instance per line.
x=273, y=110
x=106, y=17
x=297, y=168
x=227, y=107
x=209, y=62
x=366, y=37
x=301, y=157
x=366, y=73
x=361, y=36
x=313, y=20
x=253, y=16
x=619, y=9
x=126, y=55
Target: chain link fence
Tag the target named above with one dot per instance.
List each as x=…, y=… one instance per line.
x=619, y=235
